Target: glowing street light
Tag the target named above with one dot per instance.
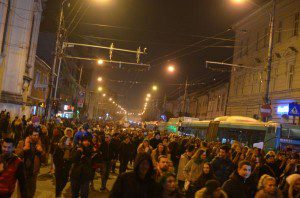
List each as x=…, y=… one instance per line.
x=110, y=99
x=100, y=62
x=148, y=95
x=104, y=95
x=171, y=69
x=100, y=88
x=99, y=79
x=154, y=88
x=238, y=1
x=147, y=99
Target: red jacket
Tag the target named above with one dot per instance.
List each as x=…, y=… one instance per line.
x=13, y=171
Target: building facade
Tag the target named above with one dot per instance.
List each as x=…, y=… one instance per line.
x=204, y=105
x=40, y=86
x=248, y=85
x=19, y=30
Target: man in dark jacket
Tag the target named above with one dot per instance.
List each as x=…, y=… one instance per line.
x=240, y=184
x=81, y=171
x=270, y=167
x=137, y=183
x=126, y=151
x=11, y=170
x=155, y=140
x=222, y=165
x=107, y=153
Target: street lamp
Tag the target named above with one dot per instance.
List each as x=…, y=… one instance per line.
x=99, y=79
x=147, y=99
x=100, y=62
x=110, y=99
x=238, y=1
x=171, y=69
x=154, y=88
x=148, y=95
x=100, y=88
x=104, y=95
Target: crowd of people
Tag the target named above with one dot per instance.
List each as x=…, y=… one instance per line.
x=164, y=165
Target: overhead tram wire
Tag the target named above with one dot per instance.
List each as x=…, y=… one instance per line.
x=155, y=31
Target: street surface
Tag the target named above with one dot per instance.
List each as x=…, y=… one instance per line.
x=46, y=185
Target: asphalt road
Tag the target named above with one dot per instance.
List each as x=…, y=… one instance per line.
x=46, y=185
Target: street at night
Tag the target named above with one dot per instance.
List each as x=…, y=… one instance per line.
x=150, y=98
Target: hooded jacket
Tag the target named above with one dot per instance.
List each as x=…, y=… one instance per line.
x=130, y=184
x=238, y=187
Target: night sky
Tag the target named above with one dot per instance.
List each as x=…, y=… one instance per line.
x=167, y=28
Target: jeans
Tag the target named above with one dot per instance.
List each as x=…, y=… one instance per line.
x=104, y=168
x=80, y=186
x=62, y=177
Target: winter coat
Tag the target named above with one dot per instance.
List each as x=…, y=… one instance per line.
x=154, y=142
x=237, y=187
x=270, y=169
x=263, y=194
x=222, y=168
x=130, y=185
x=107, y=152
x=192, y=170
x=201, y=194
x=81, y=169
x=126, y=151
x=184, y=159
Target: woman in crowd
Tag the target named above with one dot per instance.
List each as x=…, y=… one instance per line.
x=144, y=147
x=206, y=174
x=212, y=189
x=170, y=187
x=292, y=187
x=267, y=188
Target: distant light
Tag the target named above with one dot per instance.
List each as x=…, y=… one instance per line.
x=100, y=62
x=238, y=1
x=154, y=88
x=99, y=79
x=100, y=88
x=148, y=95
x=147, y=99
x=171, y=68
x=284, y=109
x=110, y=99
x=104, y=95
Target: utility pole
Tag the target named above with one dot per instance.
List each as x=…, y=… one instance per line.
x=184, y=96
x=57, y=47
x=270, y=52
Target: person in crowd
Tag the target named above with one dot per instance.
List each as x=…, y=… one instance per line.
x=269, y=167
x=126, y=151
x=240, y=184
x=184, y=159
x=144, y=147
x=292, y=167
x=155, y=140
x=206, y=174
x=161, y=168
x=53, y=152
x=83, y=131
x=11, y=171
x=160, y=150
x=169, y=186
x=267, y=188
x=292, y=187
x=211, y=189
x=137, y=183
x=116, y=143
x=18, y=130
x=96, y=158
x=81, y=172
x=192, y=171
x=173, y=148
x=62, y=160
x=33, y=155
x=222, y=164
x=107, y=153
